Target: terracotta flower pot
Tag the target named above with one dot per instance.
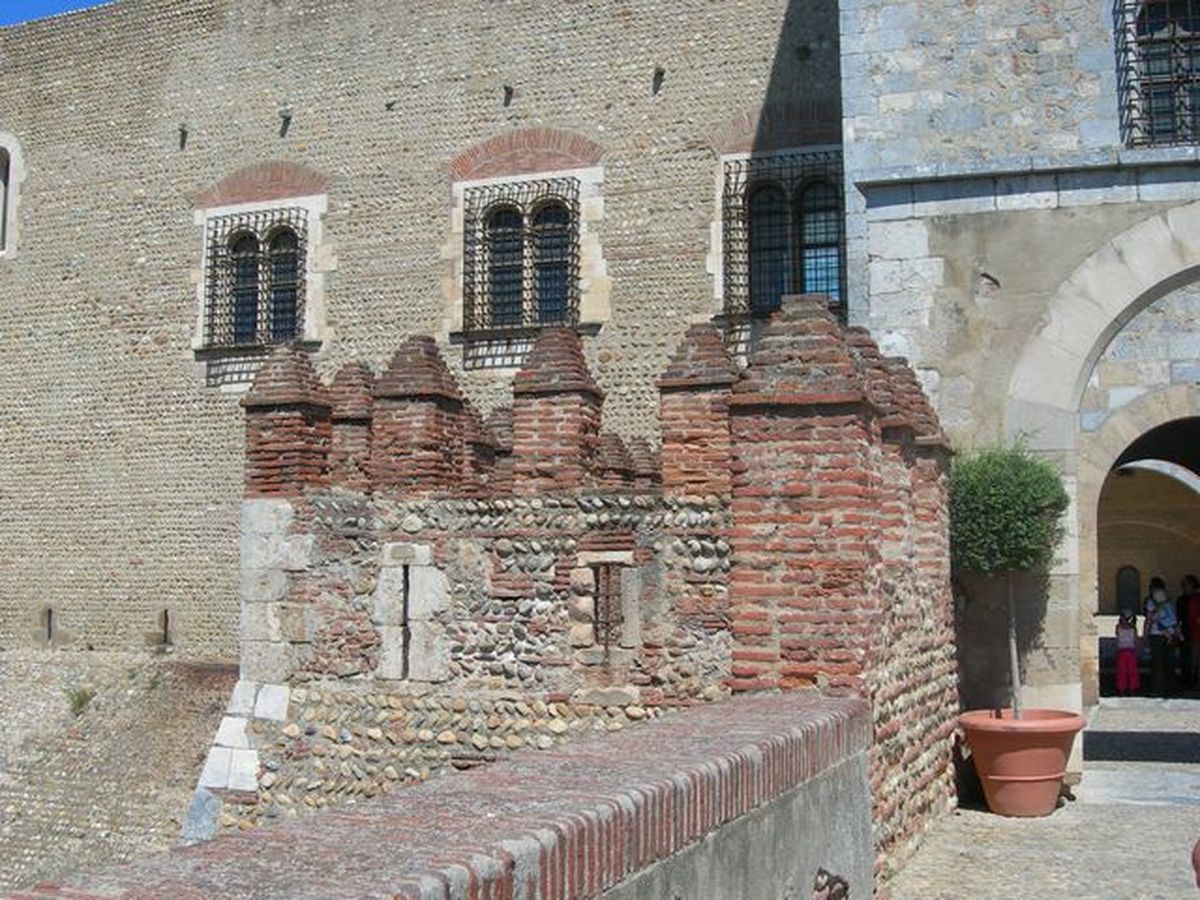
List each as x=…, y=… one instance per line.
x=1021, y=762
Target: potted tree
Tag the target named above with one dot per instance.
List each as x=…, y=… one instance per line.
x=1006, y=507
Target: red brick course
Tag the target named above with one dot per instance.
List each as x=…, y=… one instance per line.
x=568, y=823
x=526, y=151
x=267, y=181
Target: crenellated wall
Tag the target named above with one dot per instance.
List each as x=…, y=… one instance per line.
x=424, y=590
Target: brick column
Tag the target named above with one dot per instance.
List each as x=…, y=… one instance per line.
x=416, y=428
x=287, y=427
x=350, y=456
x=499, y=425
x=614, y=468
x=556, y=416
x=479, y=454
x=647, y=466
x=694, y=414
x=805, y=537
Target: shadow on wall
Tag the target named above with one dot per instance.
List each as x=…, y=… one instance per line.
x=981, y=620
x=802, y=103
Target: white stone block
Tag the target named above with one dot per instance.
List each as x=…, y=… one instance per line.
x=216, y=768
x=389, y=597
x=266, y=517
x=243, y=770
x=241, y=701
x=428, y=652
x=232, y=733
x=407, y=554
x=391, y=652
x=296, y=553
x=428, y=592
x=902, y=239
x=272, y=702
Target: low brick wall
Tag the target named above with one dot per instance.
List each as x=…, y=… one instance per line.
x=665, y=807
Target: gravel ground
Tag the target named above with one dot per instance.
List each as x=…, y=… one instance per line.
x=1128, y=835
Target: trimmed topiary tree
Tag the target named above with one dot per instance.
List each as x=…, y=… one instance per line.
x=1006, y=509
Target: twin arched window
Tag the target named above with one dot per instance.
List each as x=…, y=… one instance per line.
x=256, y=268
x=528, y=278
x=264, y=280
x=794, y=242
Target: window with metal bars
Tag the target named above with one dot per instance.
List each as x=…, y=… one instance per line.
x=1158, y=71
x=609, y=614
x=520, y=257
x=783, y=231
x=255, y=278
x=4, y=168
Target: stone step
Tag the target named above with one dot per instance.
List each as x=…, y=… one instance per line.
x=1139, y=786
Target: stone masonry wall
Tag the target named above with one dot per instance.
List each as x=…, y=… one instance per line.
x=120, y=468
x=796, y=541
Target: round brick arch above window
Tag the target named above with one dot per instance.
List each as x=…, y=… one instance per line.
x=525, y=151
x=275, y=180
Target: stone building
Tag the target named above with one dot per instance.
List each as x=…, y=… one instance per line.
x=1007, y=197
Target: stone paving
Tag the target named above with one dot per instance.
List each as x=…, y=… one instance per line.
x=1128, y=833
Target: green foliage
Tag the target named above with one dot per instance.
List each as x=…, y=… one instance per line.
x=78, y=700
x=1006, y=507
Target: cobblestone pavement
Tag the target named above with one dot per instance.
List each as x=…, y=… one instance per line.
x=1128, y=834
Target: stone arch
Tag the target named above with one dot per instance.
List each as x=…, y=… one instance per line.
x=1110, y=287
x=1097, y=452
x=259, y=183
x=524, y=151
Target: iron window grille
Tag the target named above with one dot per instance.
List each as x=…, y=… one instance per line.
x=783, y=231
x=609, y=615
x=520, y=258
x=1158, y=71
x=255, y=278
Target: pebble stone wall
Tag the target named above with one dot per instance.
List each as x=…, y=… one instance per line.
x=107, y=404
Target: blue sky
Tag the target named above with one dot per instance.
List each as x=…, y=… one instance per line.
x=13, y=11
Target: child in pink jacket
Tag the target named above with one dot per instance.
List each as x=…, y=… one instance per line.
x=1127, y=654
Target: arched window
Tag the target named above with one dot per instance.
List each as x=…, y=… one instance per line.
x=244, y=262
x=283, y=253
x=820, y=233
x=769, y=256
x=551, y=262
x=504, y=238
x=4, y=176
x=1129, y=589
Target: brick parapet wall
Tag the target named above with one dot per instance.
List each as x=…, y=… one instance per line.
x=350, y=414
x=795, y=537
x=574, y=822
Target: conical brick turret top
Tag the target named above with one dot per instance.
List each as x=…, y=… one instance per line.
x=802, y=356
x=418, y=370
x=287, y=378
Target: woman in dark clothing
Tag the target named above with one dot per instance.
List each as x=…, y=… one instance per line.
x=1162, y=633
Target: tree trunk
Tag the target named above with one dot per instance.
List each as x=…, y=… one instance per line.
x=1014, y=664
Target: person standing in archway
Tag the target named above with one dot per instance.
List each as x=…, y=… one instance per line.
x=1162, y=633
x=1189, y=620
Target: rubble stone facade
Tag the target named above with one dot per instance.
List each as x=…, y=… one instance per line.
x=427, y=618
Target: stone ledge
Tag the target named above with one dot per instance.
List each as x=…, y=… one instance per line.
x=573, y=822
